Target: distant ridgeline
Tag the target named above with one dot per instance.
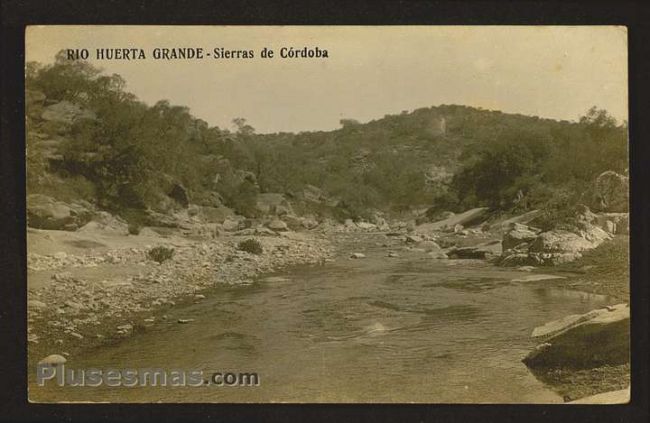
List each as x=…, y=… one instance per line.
x=88, y=138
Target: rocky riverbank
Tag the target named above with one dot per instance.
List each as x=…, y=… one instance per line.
x=99, y=284
x=583, y=356
x=85, y=289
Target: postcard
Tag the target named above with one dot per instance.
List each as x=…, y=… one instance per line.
x=327, y=214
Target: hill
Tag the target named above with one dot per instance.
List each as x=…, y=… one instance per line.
x=89, y=139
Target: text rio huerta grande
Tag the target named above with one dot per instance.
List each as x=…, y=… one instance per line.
x=195, y=53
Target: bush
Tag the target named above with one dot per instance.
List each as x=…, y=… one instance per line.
x=251, y=246
x=134, y=229
x=160, y=254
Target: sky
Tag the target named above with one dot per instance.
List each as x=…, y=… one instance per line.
x=556, y=72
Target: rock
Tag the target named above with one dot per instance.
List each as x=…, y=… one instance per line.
x=125, y=328
x=36, y=305
x=74, y=305
x=612, y=192
x=433, y=214
x=621, y=396
x=185, y=320
x=535, y=278
x=430, y=245
x=154, y=218
x=313, y=194
x=413, y=239
x=485, y=250
x=526, y=268
x=34, y=97
x=277, y=225
x=106, y=222
x=66, y=112
x=561, y=246
x=357, y=255
x=117, y=228
x=249, y=231
x=620, y=220
x=309, y=223
x=230, y=225
x=517, y=235
x=593, y=234
x=293, y=222
x=199, y=297
x=60, y=255
x=506, y=225
x=599, y=337
x=264, y=231
x=76, y=335
x=273, y=203
x=380, y=223
x=211, y=214
x=466, y=219
x=438, y=255
x=392, y=254
x=53, y=360
x=383, y=226
x=45, y=212
x=458, y=228
x=366, y=226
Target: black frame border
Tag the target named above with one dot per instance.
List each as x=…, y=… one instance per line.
x=16, y=14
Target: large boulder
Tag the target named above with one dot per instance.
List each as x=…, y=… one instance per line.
x=273, y=203
x=313, y=194
x=562, y=246
x=209, y=214
x=293, y=222
x=66, y=112
x=34, y=97
x=366, y=226
x=507, y=224
x=277, y=225
x=621, y=396
x=44, y=212
x=599, y=337
x=162, y=220
x=106, y=222
x=466, y=219
x=517, y=235
x=485, y=250
x=612, y=192
x=620, y=222
x=309, y=222
x=297, y=223
x=231, y=225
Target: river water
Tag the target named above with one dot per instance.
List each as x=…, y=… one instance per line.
x=407, y=329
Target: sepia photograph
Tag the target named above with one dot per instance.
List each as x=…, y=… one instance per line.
x=327, y=214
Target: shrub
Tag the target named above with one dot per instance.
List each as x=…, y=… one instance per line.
x=134, y=229
x=251, y=246
x=160, y=254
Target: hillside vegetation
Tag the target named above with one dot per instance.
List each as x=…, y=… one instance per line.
x=89, y=138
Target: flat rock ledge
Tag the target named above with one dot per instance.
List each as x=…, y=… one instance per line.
x=599, y=337
x=621, y=396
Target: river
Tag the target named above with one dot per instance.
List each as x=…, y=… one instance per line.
x=407, y=329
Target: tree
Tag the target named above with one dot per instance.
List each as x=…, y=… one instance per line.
x=242, y=127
